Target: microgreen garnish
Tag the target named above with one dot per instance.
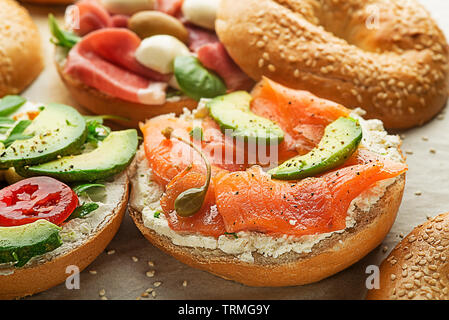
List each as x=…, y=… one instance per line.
x=190, y=200
x=82, y=188
x=61, y=37
x=17, y=133
x=83, y=210
x=10, y=104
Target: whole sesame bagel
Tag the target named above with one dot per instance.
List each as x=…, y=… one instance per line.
x=102, y=103
x=388, y=57
x=20, y=49
x=418, y=268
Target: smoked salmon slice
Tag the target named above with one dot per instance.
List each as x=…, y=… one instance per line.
x=301, y=115
x=167, y=158
x=242, y=197
x=207, y=220
x=252, y=201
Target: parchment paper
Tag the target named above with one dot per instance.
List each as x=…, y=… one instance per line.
x=121, y=277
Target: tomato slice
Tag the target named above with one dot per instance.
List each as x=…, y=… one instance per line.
x=36, y=198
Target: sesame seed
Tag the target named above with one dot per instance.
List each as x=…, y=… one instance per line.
x=184, y=284
x=151, y=263
x=272, y=68
x=111, y=252
x=102, y=292
x=93, y=272
x=157, y=284
x=150, y=273
x=432, y=151
x=135, y=259
x=104, y=298
x=418, y=193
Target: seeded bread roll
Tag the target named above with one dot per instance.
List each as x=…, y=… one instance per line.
x=387, y=57
x=418, y=268
x=20, y=49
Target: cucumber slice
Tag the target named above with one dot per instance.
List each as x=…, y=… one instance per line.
x=111, y=157
x=57, y=131
x=19, y=244
x=341, y=139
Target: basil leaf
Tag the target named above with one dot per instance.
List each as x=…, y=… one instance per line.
x=83, y=210
x=79, y=189
x=195, y=80
x=61, y=37
x=17, y=133
x=10, y=104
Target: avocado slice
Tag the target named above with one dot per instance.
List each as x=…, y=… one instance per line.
x=341, y=139
x=111, y=156
x=57, y=131
x=232, y=112
x=19, y=244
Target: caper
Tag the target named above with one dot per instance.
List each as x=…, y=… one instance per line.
x=149, y=23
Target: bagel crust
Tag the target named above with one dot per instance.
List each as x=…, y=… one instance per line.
x=327, y=257
x=101, y=103
x=40, y=276
x=387, y=57
x=418, y=267
x=20, y=49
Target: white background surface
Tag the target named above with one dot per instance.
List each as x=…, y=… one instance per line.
x=122, y=278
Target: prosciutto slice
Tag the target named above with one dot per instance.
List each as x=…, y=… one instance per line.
x=215, y=57
x=104, y=59
x=92, y=16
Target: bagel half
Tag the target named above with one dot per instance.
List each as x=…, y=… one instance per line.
x=418, y=267
x=320, y=259
x=20, y=49
x=101, y=103
x=387, y=57
x=49, y=270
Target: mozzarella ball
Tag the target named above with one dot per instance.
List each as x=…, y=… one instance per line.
x=158, y=52
x=201, y=12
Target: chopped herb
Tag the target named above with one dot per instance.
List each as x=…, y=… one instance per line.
x=232, y=234
x=197, y=134
x=157, y=214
